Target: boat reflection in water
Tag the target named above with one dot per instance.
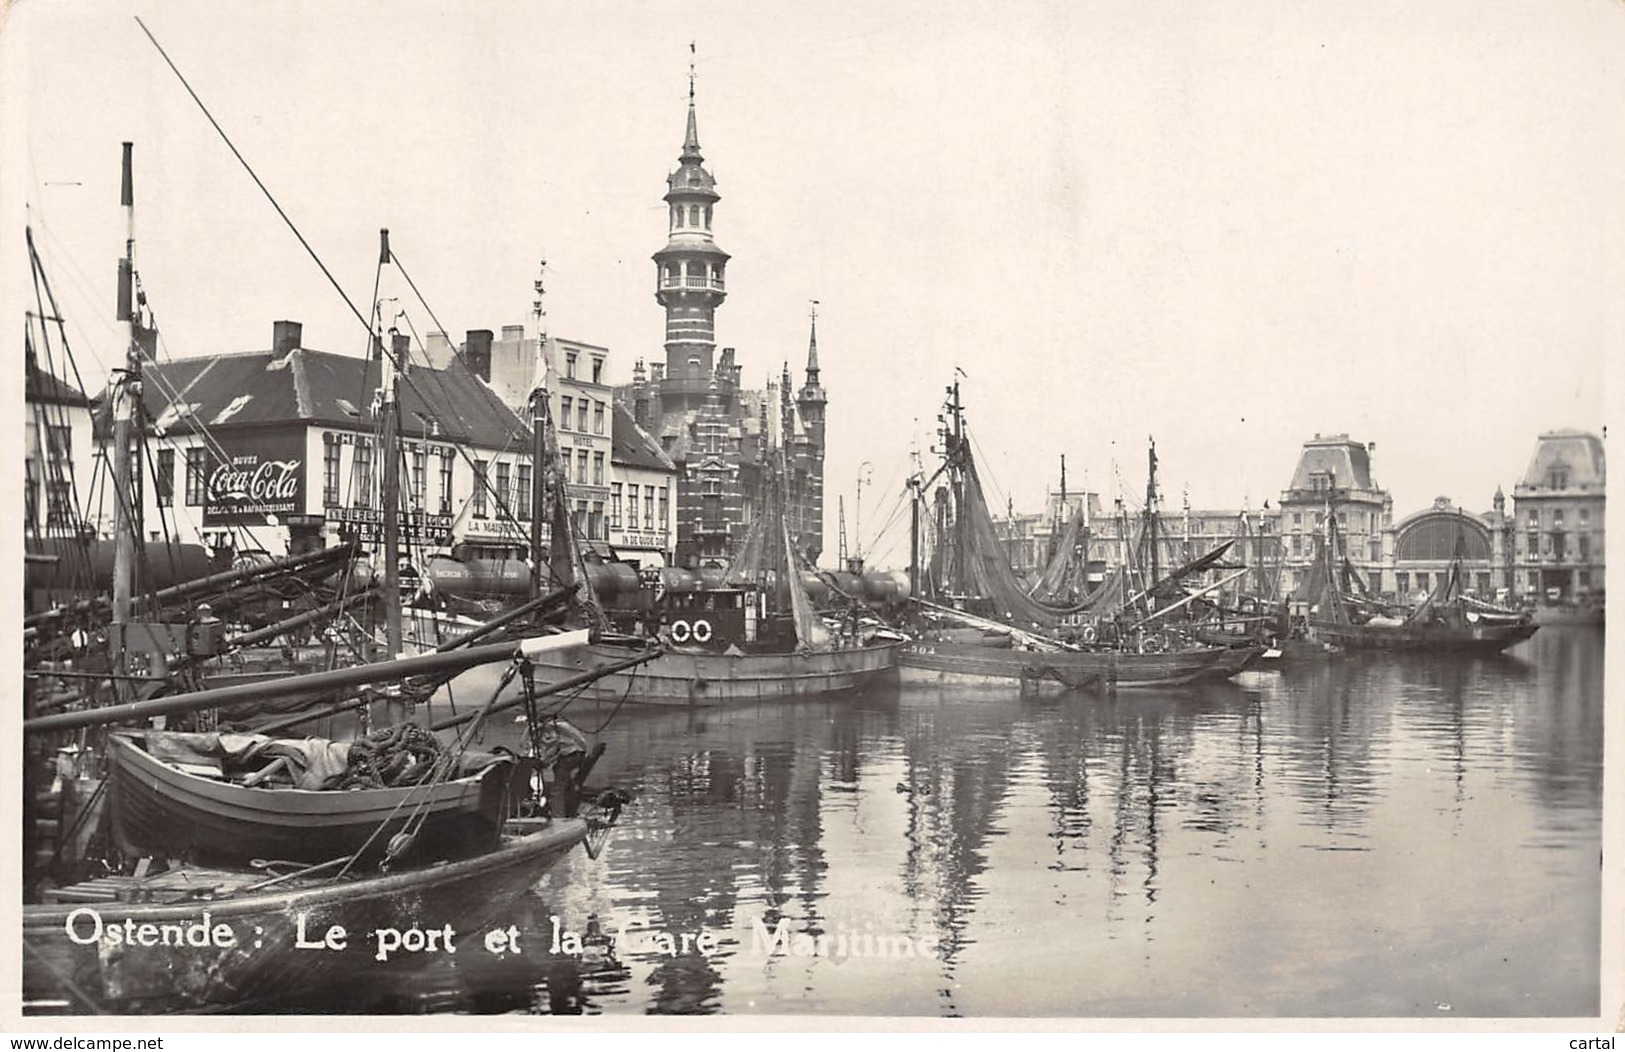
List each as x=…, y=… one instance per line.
x=1371, y=836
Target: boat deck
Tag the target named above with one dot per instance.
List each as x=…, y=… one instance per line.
x=186, y=884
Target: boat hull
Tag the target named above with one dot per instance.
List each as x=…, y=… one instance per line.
x=955, y=663
x=107, y=975
x=1595, y=616
x=699, y=680
x=158, y=809
x=1483, y=639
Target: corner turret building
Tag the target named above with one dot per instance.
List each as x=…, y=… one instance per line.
x=719, y=435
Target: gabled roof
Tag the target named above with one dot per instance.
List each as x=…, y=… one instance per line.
x=635, y=447
x=316, y=387
x=41, y=386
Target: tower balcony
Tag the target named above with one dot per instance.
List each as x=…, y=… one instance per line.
x=692, y=282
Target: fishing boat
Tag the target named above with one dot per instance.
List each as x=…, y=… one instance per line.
x=744, y=633
x=976, y=588
x=193, y=938
x=1344, y=613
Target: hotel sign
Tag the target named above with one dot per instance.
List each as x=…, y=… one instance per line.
x=253, y=476
x=367, y=524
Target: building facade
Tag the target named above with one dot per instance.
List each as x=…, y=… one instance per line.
x=721, y=438
x=58, y=453
x=606, y=460
x=278, y=451
x=1427, y=542
x=1333, y=475
x=1558, y=520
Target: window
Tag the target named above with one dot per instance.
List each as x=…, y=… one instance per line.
x=598, y=373
x=1297, y=544
x=1558, y=478
x=1585, y=516
x=196, y=474
x=614, y=505
x=420, y=468
x=331, y=450
x=479, y=489
x=1297, y=520
x=565, y=403
x=1559, y=547
x=1402, y=583
x=1534, y=517
x=30, y=494
x=164, y=485
x=708, y=217
x=1557, y=517
x=581, y=417
x=445, y=481
x=522, y=495
x=1585, y=547
x=570, y=365
x=581, y=517
x=595, y=522
x=693, y=215
x=665, y=508
x=581, y=466
x=503, y=479
x=677, y=215
x=598, y=469
x=1532, y=543
x=362, y=472
x=632, y=506
x=598, y=418
x=58, y=503
x=648, y=507
x=59, y=438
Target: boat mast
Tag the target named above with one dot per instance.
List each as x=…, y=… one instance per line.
x=1150, y=531
x=126, y=385
x=538, y=437
x=389, y=495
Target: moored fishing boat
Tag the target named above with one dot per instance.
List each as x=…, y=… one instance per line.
x=1446, y=621
x=192, y=938
x=970, y=572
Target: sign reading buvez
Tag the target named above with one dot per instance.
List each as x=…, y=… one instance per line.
x=252, y=476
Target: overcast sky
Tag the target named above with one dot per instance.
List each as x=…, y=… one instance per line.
x=1227, y=225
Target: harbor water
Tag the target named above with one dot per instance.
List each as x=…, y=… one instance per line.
x=1362, y=836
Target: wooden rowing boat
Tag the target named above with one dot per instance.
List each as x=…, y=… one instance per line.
x=207, y=937
x=160, y=809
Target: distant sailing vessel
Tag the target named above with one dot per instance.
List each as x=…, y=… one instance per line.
x=971, y=575
x=1346, y=615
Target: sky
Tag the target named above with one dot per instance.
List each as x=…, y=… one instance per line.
x=1227, y=226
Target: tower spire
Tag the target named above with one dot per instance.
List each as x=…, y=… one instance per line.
x=812, y=348
x=691, y=139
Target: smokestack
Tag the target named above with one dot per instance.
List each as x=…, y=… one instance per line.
x=477, y=353
x=376, y=351
x=285, y=337
x=401, y=347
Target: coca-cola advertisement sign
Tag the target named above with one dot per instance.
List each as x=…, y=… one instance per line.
x=256, y=477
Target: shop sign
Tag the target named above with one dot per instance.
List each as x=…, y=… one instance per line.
x=251, y=477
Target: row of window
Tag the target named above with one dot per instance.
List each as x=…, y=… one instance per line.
x=1557, y=545
x=692, y=213
x=1557, y=516
x=571, y=359
x=578, y=420
x=650, y=494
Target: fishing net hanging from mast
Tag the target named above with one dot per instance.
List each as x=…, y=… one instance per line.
x=985, y=565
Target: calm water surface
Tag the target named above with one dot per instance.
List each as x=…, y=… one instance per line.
x=1366, y=836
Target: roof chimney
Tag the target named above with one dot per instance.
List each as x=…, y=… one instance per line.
x=477, y=353
x=285, y=337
